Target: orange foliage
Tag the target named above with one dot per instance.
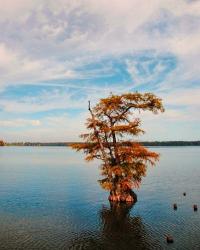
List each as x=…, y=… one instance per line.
x=2, y=143
x=124, y=161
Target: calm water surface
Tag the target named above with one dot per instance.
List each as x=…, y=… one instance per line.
x=49, y=199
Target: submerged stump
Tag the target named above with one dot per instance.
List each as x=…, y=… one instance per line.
x=169, y=239
x=195, y=207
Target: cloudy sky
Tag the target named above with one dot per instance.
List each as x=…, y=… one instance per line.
x=57, y=55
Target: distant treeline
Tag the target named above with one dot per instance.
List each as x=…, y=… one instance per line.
x=171, y=143
x=145, y=143
x=37, y=144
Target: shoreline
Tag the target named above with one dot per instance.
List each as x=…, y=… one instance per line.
x=67, y=144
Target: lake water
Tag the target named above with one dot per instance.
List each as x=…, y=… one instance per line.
x=50, y=199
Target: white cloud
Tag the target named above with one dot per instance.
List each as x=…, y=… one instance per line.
x=50, y=100
x=19, y=123
x=48, y=129
x=183, y=97
x=12, y=9
x=19, y=69
x=51, y=36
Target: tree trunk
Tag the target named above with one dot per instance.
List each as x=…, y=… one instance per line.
x=119, y=195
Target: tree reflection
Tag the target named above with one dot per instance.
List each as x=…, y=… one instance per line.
x=118, y=230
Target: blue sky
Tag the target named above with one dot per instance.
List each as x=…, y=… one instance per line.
x=57, y=55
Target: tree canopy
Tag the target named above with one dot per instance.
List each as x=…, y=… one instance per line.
x=2, y=143
x=112, y=126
